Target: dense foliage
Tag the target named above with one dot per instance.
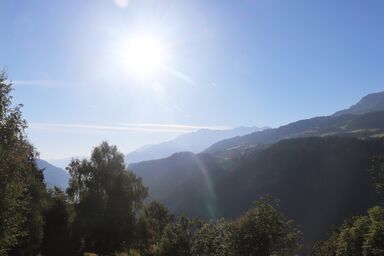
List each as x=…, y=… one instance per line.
x=358, y=236
x=107, y=199
x=262, y=230
x=58, y=217
x=22, y=189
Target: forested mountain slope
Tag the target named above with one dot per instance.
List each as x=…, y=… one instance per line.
x=319, y=181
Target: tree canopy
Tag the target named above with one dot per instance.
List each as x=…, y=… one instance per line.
x=360, y=236
x=22, y=190
x=107, y=198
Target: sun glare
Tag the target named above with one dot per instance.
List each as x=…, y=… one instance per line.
x=144, y=55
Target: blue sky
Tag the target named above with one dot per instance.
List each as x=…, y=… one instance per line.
x=229, y=63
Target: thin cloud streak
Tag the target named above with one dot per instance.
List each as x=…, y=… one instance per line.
x=45, y=83
x=132, y=127
x=174, y=126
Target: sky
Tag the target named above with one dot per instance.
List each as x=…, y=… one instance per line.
x=224, y=64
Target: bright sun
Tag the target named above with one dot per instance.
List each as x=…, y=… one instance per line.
x=144, y=55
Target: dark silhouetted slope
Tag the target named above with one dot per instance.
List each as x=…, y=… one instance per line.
x=319, y=181
x=185, y=182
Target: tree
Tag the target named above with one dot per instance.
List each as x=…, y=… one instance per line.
x=262, y=230
x=377, y=174
x=107, y=199
x=351, y=237
x=58, y=217
x=360, y=235
x=178, y=236
x=214, y=239
x=325, y=248
x=159, y=217
x=374, y=238
x=151, y=225
x=22, y=190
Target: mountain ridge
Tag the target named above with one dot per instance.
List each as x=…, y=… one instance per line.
x=347, y=125
x=53, y=175
x=194, y=142
x=369, y=103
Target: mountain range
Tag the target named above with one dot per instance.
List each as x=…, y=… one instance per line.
x=362, y=126
x=317, y=168
x=193, y=142
x=55, y=175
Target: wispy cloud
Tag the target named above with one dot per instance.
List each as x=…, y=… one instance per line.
x=173, y=126
x=45, y=83
x=125, y=127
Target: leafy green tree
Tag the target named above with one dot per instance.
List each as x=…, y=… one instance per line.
x=262, y=230
x=374, y=238
x=107, y=199
x=22, y=190
x=158, y=216
x=360, y=235
x=326, y=247
x=151, y=225
x=58, y=217
x=351, y=237
x=34, y=224
x=144, y=242
x=214, y=239
x=177, y=237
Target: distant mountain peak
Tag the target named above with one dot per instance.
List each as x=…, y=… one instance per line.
x=194, y=142
x=53, y=176
x=370, y=103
